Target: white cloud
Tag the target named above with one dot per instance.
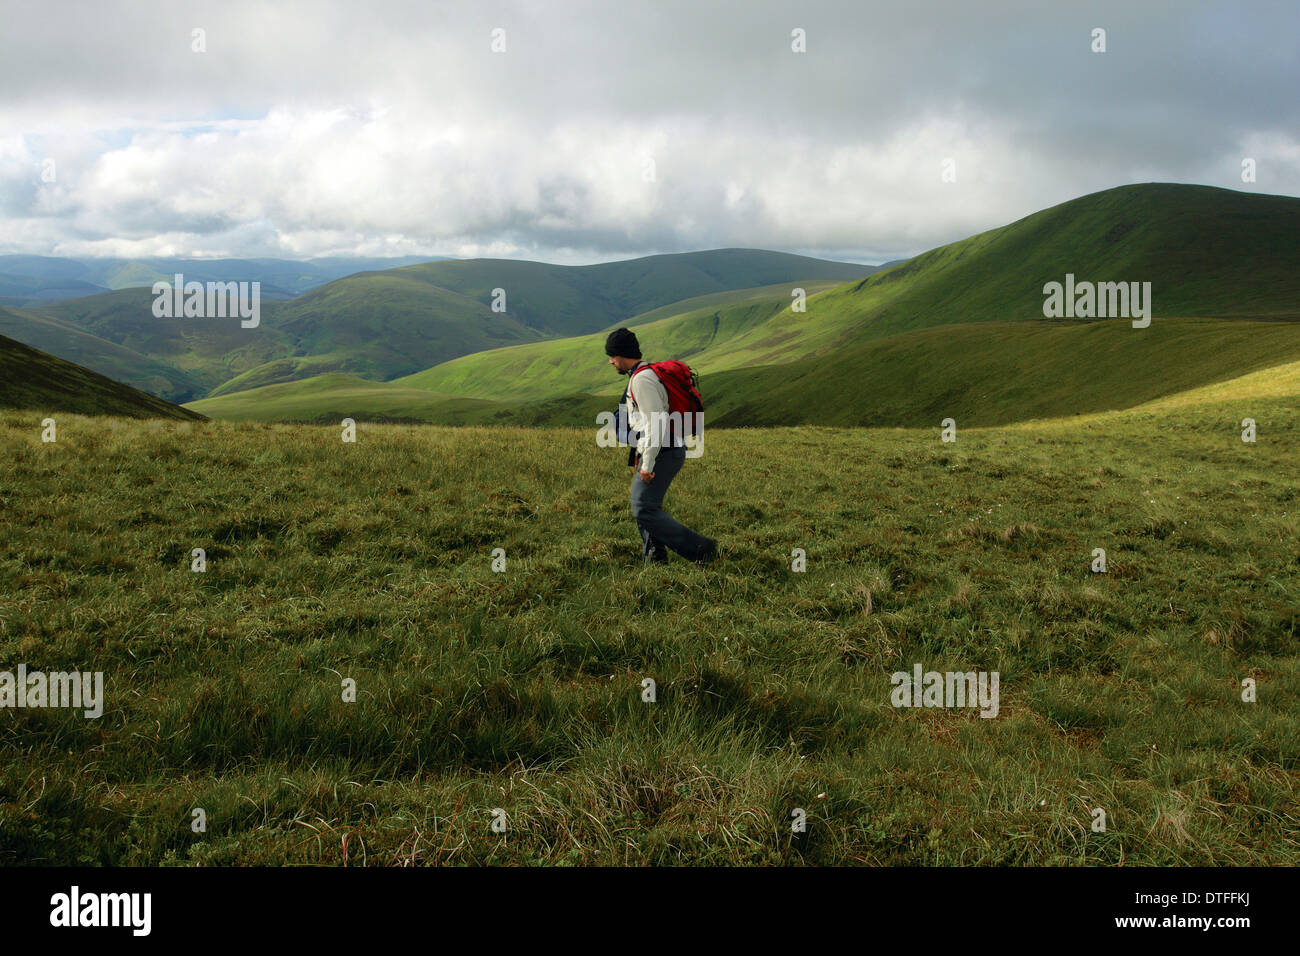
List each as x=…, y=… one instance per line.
x=330, y=128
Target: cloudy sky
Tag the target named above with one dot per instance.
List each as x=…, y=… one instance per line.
x=609, y=130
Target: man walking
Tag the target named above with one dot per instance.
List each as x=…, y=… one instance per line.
x=655, y=463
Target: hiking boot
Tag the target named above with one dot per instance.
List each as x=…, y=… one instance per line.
x=707, y=556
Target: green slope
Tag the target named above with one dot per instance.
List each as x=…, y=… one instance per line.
x=330, y=398
x=986, y=374
x=60, y=337
x=1260, y=395
x=572, y=300
x=390, y=324
x=291, y=368
x=396, y=322
x=383, y=324
x=208, y=351
x=1000, y=372
x=1206, y=251
x=562, y=366
x=33, y=380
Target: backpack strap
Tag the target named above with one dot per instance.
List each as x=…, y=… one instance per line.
x=630, y=375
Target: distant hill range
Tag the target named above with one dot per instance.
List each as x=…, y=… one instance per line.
x=957, y=331
x=31, y=279
x=386, y=323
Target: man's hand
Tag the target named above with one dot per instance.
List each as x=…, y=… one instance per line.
x=647, y=476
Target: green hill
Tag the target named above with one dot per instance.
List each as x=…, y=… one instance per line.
x=33, y=380
x=330, y=398
x=516, y=378
x=958, y=331
x=562, y=366
x=390, y=324
x=382, y=324
x=204, y=351
x=1207, y=252
x=855, y=356
x=396, y=322
x=1000, y=372
x=573, y=300
x=981, y=375
x=62, y=338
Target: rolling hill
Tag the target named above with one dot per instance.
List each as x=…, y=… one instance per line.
x=30, y=379
x=205, y=352
x=958, y=330
x=554, y=367
x=59, y=337
x=1207, y=252
x=329, y=398
x=981, y=375
x=395, y=322
x=1001, y=372
x=562, y=366
x=385, y=325
x=573, y=300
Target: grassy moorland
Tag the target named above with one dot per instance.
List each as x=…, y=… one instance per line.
x=522, y=690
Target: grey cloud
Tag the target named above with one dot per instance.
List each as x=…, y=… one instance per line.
x=836, y=150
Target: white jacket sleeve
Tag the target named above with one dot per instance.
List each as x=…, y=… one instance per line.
x=649, y=415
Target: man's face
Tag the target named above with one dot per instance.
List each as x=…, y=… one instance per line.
x=624, y=365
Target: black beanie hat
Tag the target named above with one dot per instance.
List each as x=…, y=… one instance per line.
x=623, y=342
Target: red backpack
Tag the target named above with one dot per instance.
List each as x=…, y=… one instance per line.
x=683, y=388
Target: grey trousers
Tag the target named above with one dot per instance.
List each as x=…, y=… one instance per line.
x=659, y=529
